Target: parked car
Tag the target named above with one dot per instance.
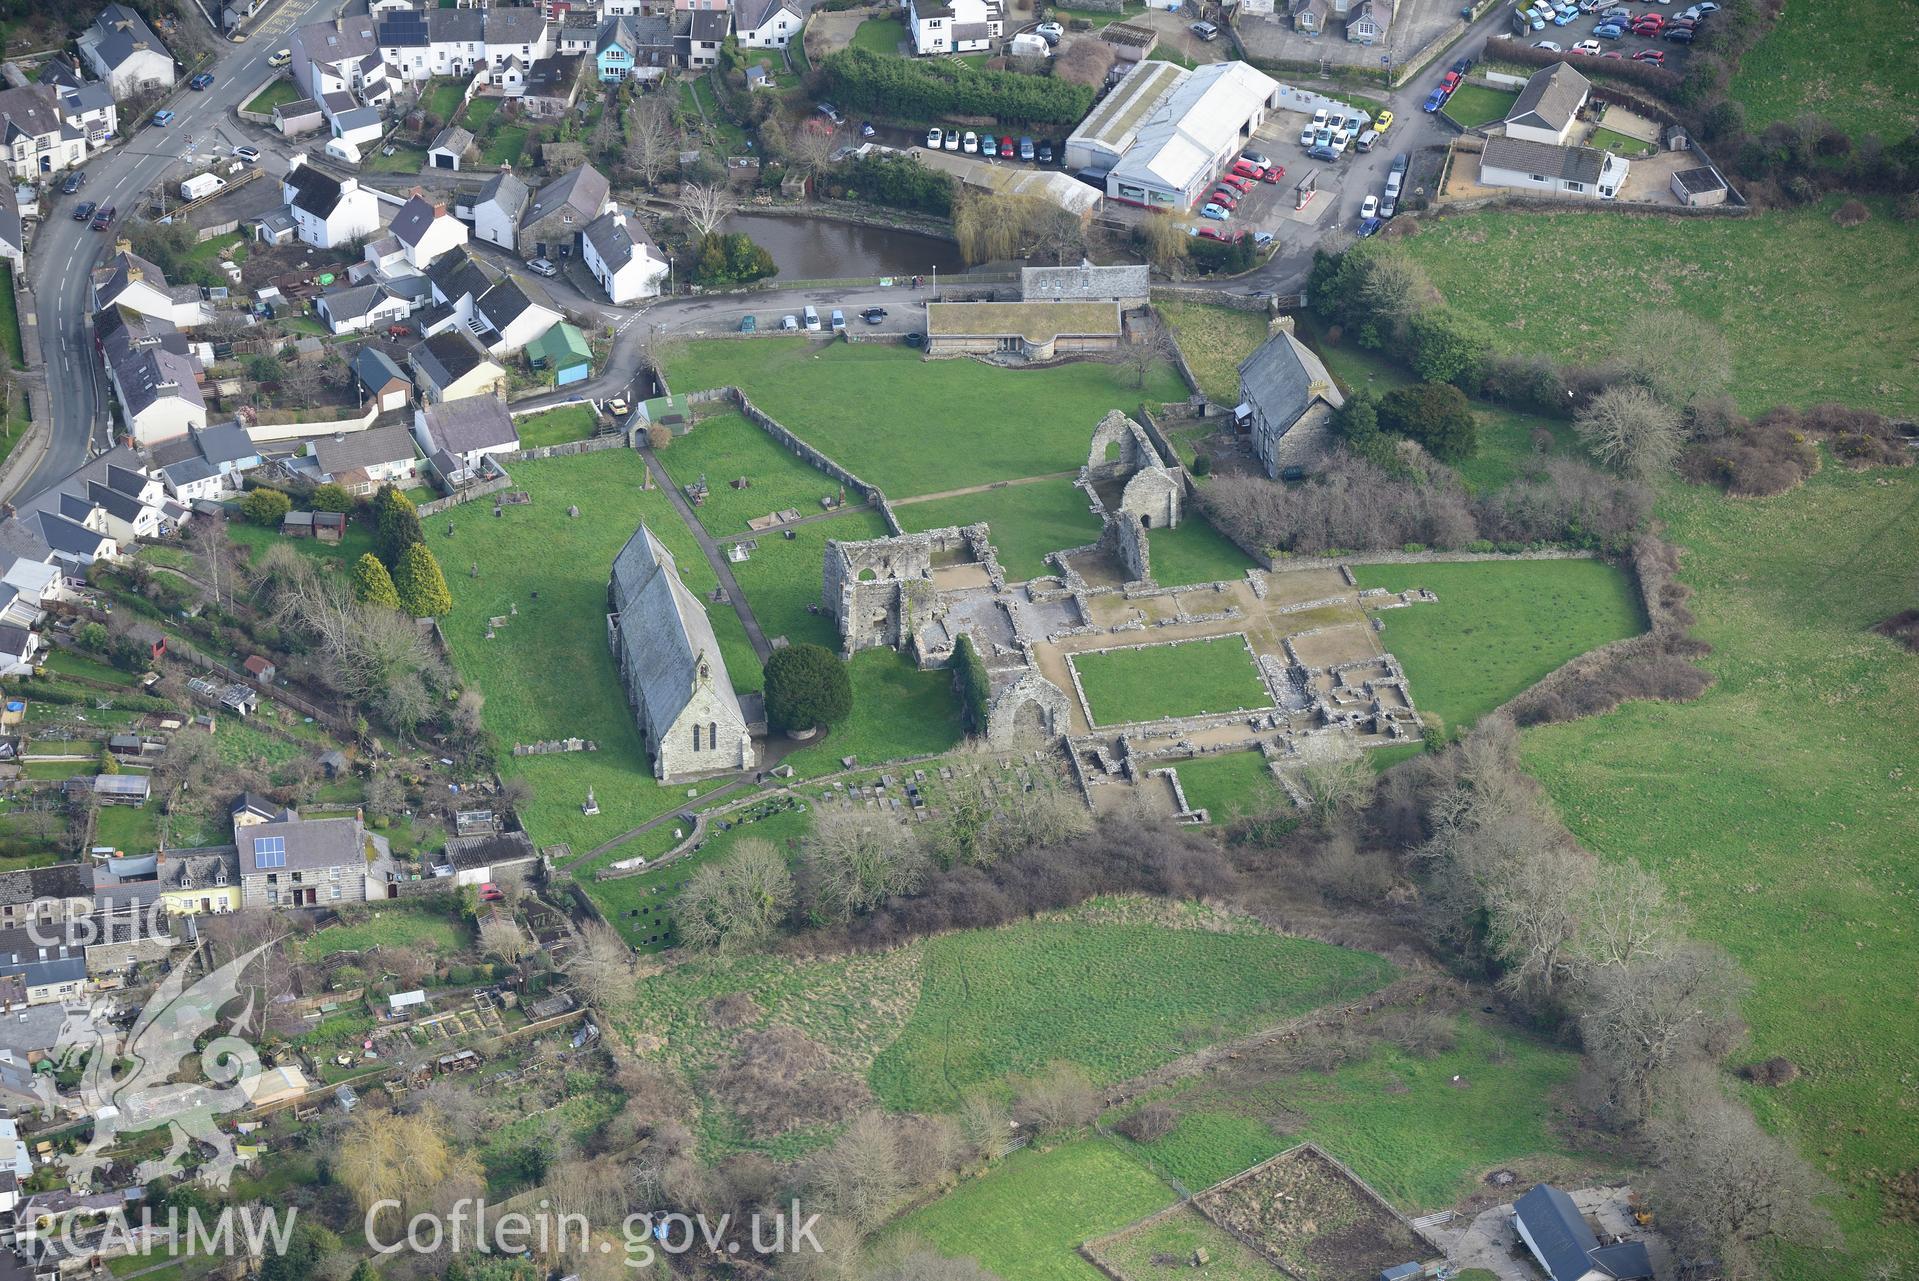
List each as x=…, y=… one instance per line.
x=249, y=154
x=1384, y=120
x=1045, y=151
x=1204, y=30
x=1706, y=7
x=1655, y=56
x=1369, y=208
x=1462, y=66
x=1548, y=46
x=161, y=119
x=832, y=113
x=1225, y=198
x=1535, y=23
x=1256, y=159
x=1368, y=227
x=398, y=330
x=969, y=143
x=1679, y=35
x=1217, y=212
x=838, y=321
x=280, y=58
x=1323, y=153
x=1399, y=163
x=1050, y=32
x=873, y=315
x=201, y=82
x=1307, y=136
x=810, y=317
x=1247, y=169
x=866, y=129
x=1612, y=53
x=933, y=138
x=989, y=146
x=103, y=218
x=1608, y=31
x=1393, y=181
x=84, y=210
x=789, y=322
x=1323, y=138
x=1388, y=207
x=75, y=180
x=1006, y=146
x=1026, y=148
x=1434, y=101
x=1217, y=233
x=1587, y=47
x=1319, y=118
x=1652, y=20
x=749, y=324
x=1339, y=144
x=1237, y=183
x=541, y=267
x=952, y=140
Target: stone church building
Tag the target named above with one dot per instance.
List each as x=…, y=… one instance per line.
x=670, y=663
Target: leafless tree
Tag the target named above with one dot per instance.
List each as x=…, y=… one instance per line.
x=1148, y=347
x=1726, y=1188
x=857, y=860
x=810, y=149
x=1533, y=908
x=1640, y=1020
x=1626, y=920
x=860, y=1176
x=1632, y=429
x=602, y=966
x=1338, y=780
x=649, y=138
x=209, y=542
x=704, y=206
x=989, y=814
x=1682, y=358
x=504, y=939
x=1392, y=287
x=1167, y=240
x=1060, y=235
x=994, y=227
x=985, y=1125
x=1061, y=1097
x=737, y=903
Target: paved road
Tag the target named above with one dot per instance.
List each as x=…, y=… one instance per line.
x=65, y=252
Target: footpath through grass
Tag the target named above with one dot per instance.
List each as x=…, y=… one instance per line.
x=1564, y=283
x=915, y=426
x=725, y=447
x=1185, y=678
x=1498, y=627
x=1779, y=808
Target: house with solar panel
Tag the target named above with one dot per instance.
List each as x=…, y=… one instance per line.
x=287, y=861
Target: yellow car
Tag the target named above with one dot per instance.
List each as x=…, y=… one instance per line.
x=280, y=59
x=1384, y=122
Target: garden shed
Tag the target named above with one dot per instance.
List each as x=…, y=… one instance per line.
x=562, y=353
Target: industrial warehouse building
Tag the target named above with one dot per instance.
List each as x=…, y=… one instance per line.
x=1164, y=134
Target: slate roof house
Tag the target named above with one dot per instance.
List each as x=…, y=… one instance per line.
x=130, y=281
x=457, y=435
x=63, y=892
x=1581, y=172
x=700, y=34
x=291, y=862
x=1557, y=1234
x=153, y=375
x=1286, y=401
x=1126, y=284
x=362, y=461
x=123, y=51
x=206, y=462
x=13, y=237
x=1368, y=21
x=628, y=266
x=382, y=382
x=551, y=222
x=328, y=211
x=426, y=230
x=953, y=26
x=497, y=209
x=340, y=55
x=766, y=24
x=359, y=308
x=36, y=134
x=1548, y=105
x=437, y=42
x=671, y=665
x=449, y=366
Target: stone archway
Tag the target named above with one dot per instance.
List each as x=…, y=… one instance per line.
x=1030, y=711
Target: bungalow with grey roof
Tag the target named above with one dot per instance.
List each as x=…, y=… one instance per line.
x=1549, y=104
x=362, y=461
x=457, y=436
x=1581, y=172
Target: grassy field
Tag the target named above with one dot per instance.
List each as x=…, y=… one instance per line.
x=10, y=319
x=68, y=663
x=1028, y=521
x=1025, y=1220
x=357, y=541
x=1401, y=1122
x=389, y=926
x=1115, y=999
x=782, y=577
x=277, y=94
x=1474, y=105
x=1179, y=1235
x=898, y=711
x=548, y=673
x=1498, y=627
x=913, y=426
x=641, y=907
x=1185, y=679
x=1194, y=552
x=1803, y=749
x=557, y=426
x=132, y=828
x=1230, y=785
x=726, y=447
x=1857, y=74
x=1562, y=283
x=1214, y=340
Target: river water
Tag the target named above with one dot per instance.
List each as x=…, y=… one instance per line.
x=823, y=249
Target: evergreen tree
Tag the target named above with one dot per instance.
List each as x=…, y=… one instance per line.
x=372, y=585
x=396, y=525
x=420, y=585
x=806, y=687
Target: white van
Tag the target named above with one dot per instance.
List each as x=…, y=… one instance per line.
x=839, y=321
x=812, y=319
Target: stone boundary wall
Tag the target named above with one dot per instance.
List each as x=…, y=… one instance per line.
x=806, y=452
x=467, y=495
x=1282, y=564
x=269, y=433
x=1207, y=718
x=598, y=444
x=1212, y=298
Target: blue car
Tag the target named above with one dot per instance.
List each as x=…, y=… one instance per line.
x=1368, y=227
x=1434, y=101
x=1323, y=153
x=1218, y=212
x=1607, y=31
x=162, y=119
x=749, y=324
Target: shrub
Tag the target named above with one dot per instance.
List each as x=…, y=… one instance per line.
x=1851, y=214
x=372, y=585
x=860, y=78
x=903, y=183
x=1148, y=1125
x=732, y=258
x=1435, y=414
x=1202, y=464
x=806, y=687
x=266, y=506
x=331, y=498
x=975, y=686
x=396, y=525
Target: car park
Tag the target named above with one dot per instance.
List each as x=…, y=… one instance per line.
x=542, y=267
x=1204, y=30
x=1384, y=120
x=280, y=58
x=1657, y=57
x=873, y=315
x=161, y=119
x=1025, y=148
x=789, y=322
x=970, y=143
x=1434, y=101
x=989, y=146
x=103, y=217
x=84, y=210
x=75, y=180
x=832, y=113
x=1050, y=32
x=749, y=324
x=1369, y=208
x=933, y=138
x=201, y=82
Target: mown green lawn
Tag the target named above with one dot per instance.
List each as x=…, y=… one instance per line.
x=782, y=576
x=66, y=662
x=1214, y=340
x=1027, y=521
x=640, y=907
x=277, y=94
x=559, y=426
x=1230, y=785
x=133, y=828
x=914, y=426
x=1779, y=808
x=389, y=926
x=1564, y=283
x=898, y=711
x=441, y=98
x=548, y=673
x=1025, y=1219
x=880, y=35
x=1856, y=73
x=1186, y=678
x=725, y=448
x=1497, y=627
x=504, y=147
x=1115, y=999
x=1194, y=552
x=1475, y=105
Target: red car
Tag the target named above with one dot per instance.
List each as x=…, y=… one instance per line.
x=1450, y=81
x=1655, y=56
x=1245, y=169
x=1275, y=173
x=1241, y=185
x=104, y=219
x=1227, y=237
x=398, y=331
x=1225, y=197
x=1006, y=148
x=1652, y=22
